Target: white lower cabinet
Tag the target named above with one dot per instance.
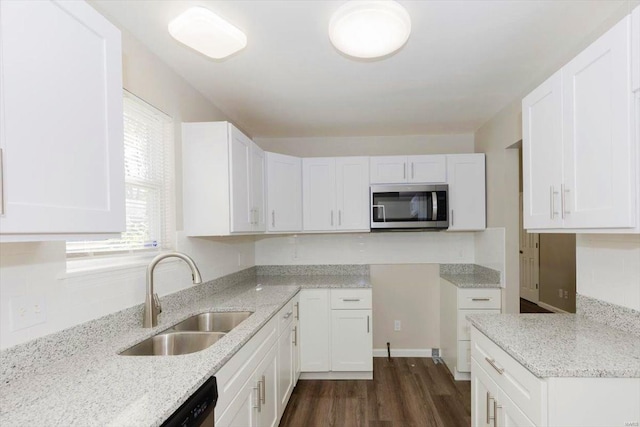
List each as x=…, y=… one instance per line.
x=288, y=353
x=504, y=393
x=336, y=333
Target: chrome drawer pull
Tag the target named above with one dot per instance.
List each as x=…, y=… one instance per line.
x=488, y=408
x=351, y=299
x=480, y=299
x=493, y=364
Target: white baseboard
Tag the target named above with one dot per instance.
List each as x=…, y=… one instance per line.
x=403, y=352
x=551, y=308
x=336, y=375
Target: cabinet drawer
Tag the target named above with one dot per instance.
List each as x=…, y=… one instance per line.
x=525, y=389
x=285, y=317
x=464, y=356
x=350, y=299
x=479, y=298
x=464, y=327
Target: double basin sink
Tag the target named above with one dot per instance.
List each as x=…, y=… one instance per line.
x=189, y=336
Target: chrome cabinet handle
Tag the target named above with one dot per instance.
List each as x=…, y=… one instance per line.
x=295, y=336
x=493, y=364
x=264, y=389
x=480, y=299
x=273, y=218
x=495, y=412
x=257, y=389
x=339, y=217
x=297, y=310
x=552, y=193
x=1, y=181
x=488, y=407
x=564, y=191
x=350, y=299
x=368, y=328
x=332, y=217
x=404, y=171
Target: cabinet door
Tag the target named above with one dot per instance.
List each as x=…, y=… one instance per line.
x=284, y=193
x=267, y=380
x=427, y=169
x=509, y=415
x=483, y=394
x=351, y=340
x=314, y=330
x=240, y=182
x=599, y=180
x=542, y=154
x=258, y=204
x=286, y=368
x=352, y=189
x=61, y=122
x=319, y=194
x=242, y=411
x=635, y=49
x=466, y=179
x=388, y=169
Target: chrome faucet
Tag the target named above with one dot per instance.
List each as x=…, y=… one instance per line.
x=152, y=305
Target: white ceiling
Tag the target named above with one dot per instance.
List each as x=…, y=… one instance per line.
x=464, y=61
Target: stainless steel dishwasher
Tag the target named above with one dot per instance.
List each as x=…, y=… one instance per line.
x=198, y=410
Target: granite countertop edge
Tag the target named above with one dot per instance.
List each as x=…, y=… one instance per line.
x=551, y=346
x=55, y=392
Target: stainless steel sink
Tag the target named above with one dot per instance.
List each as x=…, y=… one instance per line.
x=173, y=343
x=192, y=334
x=212, y=322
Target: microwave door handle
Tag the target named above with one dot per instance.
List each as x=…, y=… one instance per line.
x=434, y=202
x=381, y=207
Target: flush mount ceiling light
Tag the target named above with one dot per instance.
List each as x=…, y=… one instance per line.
x=206, y=32
x=369, y=28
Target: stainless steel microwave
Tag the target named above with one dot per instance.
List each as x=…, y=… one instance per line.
x=406, y=206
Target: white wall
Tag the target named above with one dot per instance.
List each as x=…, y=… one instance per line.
x=489, y=249
x=370, y=145
x=39, y=269
x=608, y=268
x=366, y=248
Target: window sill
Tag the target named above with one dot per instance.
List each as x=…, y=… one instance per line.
x=93, y=266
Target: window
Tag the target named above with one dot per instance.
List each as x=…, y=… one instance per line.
x=148, y=163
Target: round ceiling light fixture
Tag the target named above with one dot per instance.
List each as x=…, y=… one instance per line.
x=369, y=28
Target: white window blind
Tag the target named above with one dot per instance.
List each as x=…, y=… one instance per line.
x=148, y=162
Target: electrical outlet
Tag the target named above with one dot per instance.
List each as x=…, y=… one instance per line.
x=397, y=325
x=27, y=311
x=566, y=294
x=560, y=293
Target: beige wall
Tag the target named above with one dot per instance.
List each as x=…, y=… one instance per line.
x=369, y=146
x=409, y=293
x=558, y=270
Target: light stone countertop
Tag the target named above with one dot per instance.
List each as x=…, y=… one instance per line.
x=470, y=275
x=94, y=386
x=563, y=345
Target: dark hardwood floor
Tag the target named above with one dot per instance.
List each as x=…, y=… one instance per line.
x=405, y=392
x=529, y=307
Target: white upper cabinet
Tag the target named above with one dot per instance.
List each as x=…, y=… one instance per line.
x=335, y=193
x=404, y=169
x=223, y=180
x=466, y=179
x=284, y=193
x=579, y=163
x=635, y=49
x=61, y=122
x=542, y=154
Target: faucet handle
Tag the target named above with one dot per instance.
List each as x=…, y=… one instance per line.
x=156, y=302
